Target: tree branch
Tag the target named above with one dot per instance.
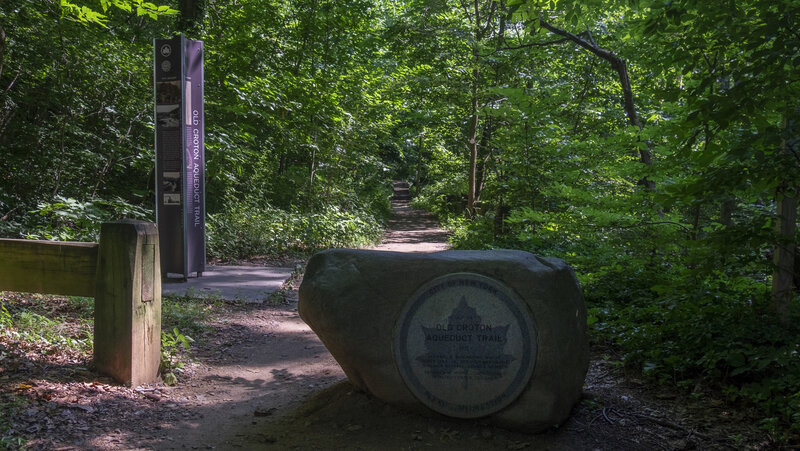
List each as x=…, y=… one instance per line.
x=619, y=65
x=466, y=10
x=529, y=45
x=489, y=18
x=11, y=85
x=2, y=48
x=537, y=44
x=591, y=39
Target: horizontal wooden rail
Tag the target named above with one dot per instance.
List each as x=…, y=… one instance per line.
x=122, y=273
x=51, y=267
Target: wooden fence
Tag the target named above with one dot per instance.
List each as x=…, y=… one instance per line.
x=122, y=273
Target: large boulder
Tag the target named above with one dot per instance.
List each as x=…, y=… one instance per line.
x=496, y=334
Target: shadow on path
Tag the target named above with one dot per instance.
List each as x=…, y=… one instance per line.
x=411, y=230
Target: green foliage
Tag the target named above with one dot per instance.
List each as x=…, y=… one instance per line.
x=181, y=317
x=245, y=231
x=67, y=219
x=81, y=307
x=76, y=123
x=174, y=347
x=187, y=313
x=48, y=334
x=312, y=106
x=5, y=316
x=294, y=112
x=443, y=198
x=86, y=15
x=721, y=334
x=677, y=277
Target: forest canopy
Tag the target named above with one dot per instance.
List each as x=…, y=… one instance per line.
x=653, y=145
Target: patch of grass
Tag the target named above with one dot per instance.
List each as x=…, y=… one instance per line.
x=52, y=323
x=83, y=307
x=181, y=318
x=174, y=350
x=278, y=297
x=52, y=334
x=187, y=313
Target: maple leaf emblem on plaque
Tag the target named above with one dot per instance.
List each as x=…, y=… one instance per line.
x=465, y=344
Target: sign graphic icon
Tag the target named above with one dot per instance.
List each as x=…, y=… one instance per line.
x=484, y=354
x=166, y=50
x=465, y=345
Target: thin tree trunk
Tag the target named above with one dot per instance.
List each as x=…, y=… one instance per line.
x=191, y=17
x=726, y=212
x=473, y=147
x=2, y=48
x=472, y=190
x=480, y=165
x=312, y=170
x=418, y=172
x=785, y=249
x=783, y=275
x=695, y=222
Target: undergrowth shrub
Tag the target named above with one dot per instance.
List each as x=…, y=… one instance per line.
x=243, y=231
x=68, y=219
x=690, y=313
x=20, y=323
x=444, y=198
x=716, y=336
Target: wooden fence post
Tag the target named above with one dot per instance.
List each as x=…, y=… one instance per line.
x=127, y=321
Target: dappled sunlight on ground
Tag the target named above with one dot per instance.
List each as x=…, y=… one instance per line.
x=412, y=230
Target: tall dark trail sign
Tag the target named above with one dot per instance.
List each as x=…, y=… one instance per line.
x=180, y=157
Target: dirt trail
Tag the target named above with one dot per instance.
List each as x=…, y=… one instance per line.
x=263, y=380
x=411, y=230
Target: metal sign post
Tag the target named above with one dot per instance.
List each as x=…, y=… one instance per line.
x=180, y=157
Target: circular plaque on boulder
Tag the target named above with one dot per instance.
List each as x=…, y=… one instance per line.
x=465, y=345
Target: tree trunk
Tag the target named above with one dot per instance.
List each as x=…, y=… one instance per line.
x=473, y=147
x=786, y=247
x=418, y=171
x=480, y=31
x=726, y=212
x=783, y=275
x=191, y=16
x=482, y=160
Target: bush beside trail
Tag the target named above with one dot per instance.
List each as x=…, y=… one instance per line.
x=241, y=232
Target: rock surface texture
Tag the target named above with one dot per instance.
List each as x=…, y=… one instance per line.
x=355, y=300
